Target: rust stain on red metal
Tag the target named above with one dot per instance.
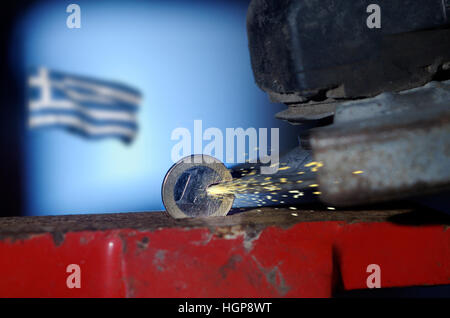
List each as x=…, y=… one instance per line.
x=237, y=256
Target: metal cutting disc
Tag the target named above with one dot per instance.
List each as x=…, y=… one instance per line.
x=184, y=188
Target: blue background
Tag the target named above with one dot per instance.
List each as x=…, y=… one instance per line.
x=189, y=59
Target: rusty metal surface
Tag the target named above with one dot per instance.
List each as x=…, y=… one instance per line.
x=272, y=253
x=399, y=143
x=20, y=227
x=301, y=113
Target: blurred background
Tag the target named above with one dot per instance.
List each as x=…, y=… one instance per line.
x=189, y=59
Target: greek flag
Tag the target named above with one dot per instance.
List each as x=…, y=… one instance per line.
x=92, y=108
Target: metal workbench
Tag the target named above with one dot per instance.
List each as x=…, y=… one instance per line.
x=265, y=253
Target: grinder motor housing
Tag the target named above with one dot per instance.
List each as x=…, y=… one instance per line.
x=385, y=90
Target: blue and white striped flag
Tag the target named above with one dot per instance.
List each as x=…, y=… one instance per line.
x=91, y=107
